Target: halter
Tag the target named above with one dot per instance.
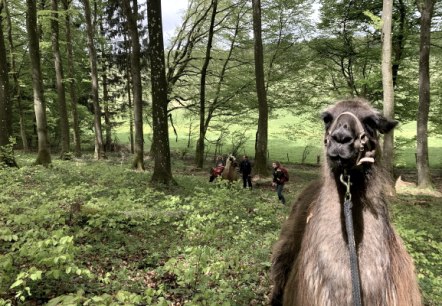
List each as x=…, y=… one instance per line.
x=361, y=141
x=366, y=155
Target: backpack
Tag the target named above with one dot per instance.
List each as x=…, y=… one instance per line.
x=286, y=174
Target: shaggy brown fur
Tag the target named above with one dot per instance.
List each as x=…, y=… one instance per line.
x=311, y=263
x=230, y=172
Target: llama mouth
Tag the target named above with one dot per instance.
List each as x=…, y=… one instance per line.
x=341, y=162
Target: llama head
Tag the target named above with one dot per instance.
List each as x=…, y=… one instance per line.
x=231, y=161
x=351, y=133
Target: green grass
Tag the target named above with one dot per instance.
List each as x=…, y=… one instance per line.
x=289, y=138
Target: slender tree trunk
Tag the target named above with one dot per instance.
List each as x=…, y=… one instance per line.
x=260, y=166
x=107, y=121
x=387, y=82
x=99, y=149
x=399, y=40
x=423, y=165
x=72, y=82
x=17, y=91
x=132, y=16
x=129, y=98
x=61, y=96
x=199, y=156
x=5, y=101
x=162, y=172
x=131, y=117
x=44, y=156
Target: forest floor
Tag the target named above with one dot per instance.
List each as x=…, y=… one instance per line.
x=97, y=233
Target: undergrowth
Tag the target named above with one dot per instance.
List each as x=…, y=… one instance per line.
x=96, y=233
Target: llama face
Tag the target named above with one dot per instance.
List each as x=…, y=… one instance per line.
x=352, y=133
x=231, y=160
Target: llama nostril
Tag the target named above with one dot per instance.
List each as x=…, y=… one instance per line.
x=342, y=136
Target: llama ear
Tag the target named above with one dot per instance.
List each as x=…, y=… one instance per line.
x=385, y=125
x=327, y=118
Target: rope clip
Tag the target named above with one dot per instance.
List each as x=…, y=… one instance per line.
x=347, y=185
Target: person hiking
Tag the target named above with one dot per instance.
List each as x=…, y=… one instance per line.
x=280, y=176
x=245, y=167
x=217, y=170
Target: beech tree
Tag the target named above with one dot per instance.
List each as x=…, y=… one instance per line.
x=44, y=156
x=15, y=93
x=72, y=84
x=99, y=147
x=162, y=172
x=132, y=17
x=260, y=166
x=423, y=165
x=59, y=77
x=199, y=156
x=5, y=101
x=387, y=81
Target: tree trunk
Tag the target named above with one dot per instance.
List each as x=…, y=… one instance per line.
x=99, y=149
x=16, y=91
x=131, y=16
x=129, y=99
x=162, y=172
x=399, y=40
x=423, y=165
x=199, y=155
x=61, y=96
x=107, y=121
x=44, y=156
x=72, y=82
x=131, y=116
x=387, y=82
x=260, y=166
x=5, y=101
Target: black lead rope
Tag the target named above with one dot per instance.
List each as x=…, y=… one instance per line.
x=356, y=285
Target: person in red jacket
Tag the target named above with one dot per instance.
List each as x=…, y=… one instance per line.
x=217, y=170
x=279, y=179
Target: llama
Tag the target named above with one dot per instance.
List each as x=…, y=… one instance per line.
x=230, y=171
x=310, y=261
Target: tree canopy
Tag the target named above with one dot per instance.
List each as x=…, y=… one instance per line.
x=313, y=53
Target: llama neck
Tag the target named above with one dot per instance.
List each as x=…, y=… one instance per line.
x=370, y=211
x=368, y=187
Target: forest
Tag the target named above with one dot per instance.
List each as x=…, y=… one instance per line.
x=109, y=128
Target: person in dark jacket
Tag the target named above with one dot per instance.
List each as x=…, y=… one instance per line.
x=278, y=180
x=245, y=167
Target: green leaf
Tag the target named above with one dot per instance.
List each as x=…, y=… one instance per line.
x=17, y=283
x=36, y=275
x=56, y=274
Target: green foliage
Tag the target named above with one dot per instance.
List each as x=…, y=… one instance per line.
x=415, y=223
x=7, y=158
x=95, y=233
x=67, y=238
x=376, y=20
